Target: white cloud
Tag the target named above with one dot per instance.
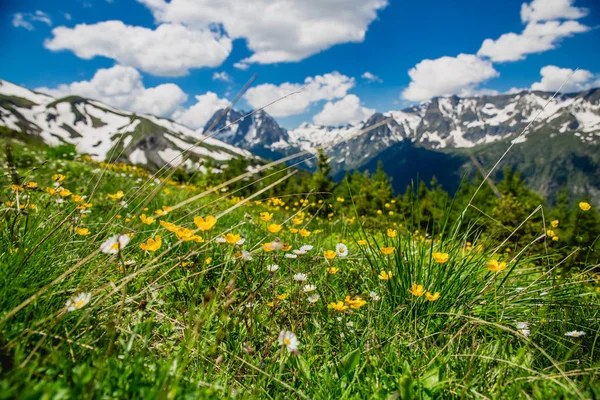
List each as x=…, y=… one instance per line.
x=547, y=10
x=276, y=31
x=67, y=16
x=221, y=76
x=122, y=87
x=474, y=92
x=241, y=65
x=169, y=50
x=321, y=87
x=446, y=76
x=25, y=20
x=345, y=111
x=198, y=115
x=553, y=77
x=535, y=38
x=371, y=77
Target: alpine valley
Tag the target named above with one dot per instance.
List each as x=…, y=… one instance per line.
x=555, y=141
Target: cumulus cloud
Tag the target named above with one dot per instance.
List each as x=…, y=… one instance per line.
x=535, y=38
x=553, y=77
x=198, y=114
x=275, y=31
x=314, y=89
x=168, y=50
x=221, y=76
x=547, y=10
x=368, y=76
x=474, y=92
x=447, y=76
x=240, y=65
x=25, y=20
x=345, y=111
x=122, y=87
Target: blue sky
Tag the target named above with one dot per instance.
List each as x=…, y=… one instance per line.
x=161, y=55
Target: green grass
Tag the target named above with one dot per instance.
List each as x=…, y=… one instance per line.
x=169, y=324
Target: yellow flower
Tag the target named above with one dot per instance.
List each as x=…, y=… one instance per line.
x=332, y=270
x=232, y=238
x=361, y=242
x=282, y=296
x=265, y=216
x=440, y=258
x=387, y=250
x=208, y=260
x=274, y=228
x=304, y=232
x=30, y=185
x=267, y=247
x=555, y=238
x=554, y=223
x=147, y=220
x=16, y=188
x=384, y=276
x=293, y=230
x=432, y=297
x=494, y=266
x=550, y=233
x=329, y=254
x=392, y=233
x=64, y=192
x=417, y=290
x=205, y=224
x=151, y=244
x=339, y=306
x=117, y=196
x=82, y=231
x=58, y=177
x=297, y=221
x=77, y=199
x=585, y=206
x=50, y=191
x=355, y=303
x=340, y=199
x=171, y=227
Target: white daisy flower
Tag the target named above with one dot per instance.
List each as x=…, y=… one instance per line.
x=291, y=256
x=113, y=244
x=341, y=250
x=373, y=295
x=575, y=334
x=313, y=298
x=272, y=267
x=309, y=288
x=299, y=252
x=78, y=301
x=306, y=248
x=523, y=328
x=240, y=242
x=124, y=204
x=246, y=255
x=276, y=245
x=300, y=277
x=288, y=339
x=130, y=262
x=220, y=239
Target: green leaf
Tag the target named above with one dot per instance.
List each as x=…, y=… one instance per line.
x=350, y=361
x=304, y=367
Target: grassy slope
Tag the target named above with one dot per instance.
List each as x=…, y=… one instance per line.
x=160, y=328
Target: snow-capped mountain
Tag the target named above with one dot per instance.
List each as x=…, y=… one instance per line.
x=107, y=133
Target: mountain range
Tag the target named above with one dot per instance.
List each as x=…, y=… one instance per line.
x=555, y=141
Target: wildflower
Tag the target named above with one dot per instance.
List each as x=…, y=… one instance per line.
x=232, y=238
x=282, y=296
x=147, y=220
x=151, y=244
x=291, y=256
x=575, y=334
x=299, y=252
x=585, y=206
x=550, y=233
x=387, y=250
x=272, y=267
x=288, y=339
x=82, y=231
x=385, y=275
x=417, y=290
x=554, y=223
x=208, y=261
x=221, y=239
x=274, y=228
x=297, y=221
x=205, y=224
x=333, y=270
x=304, y=232
x=58, y=177
x=340, y=199
x=78, y=302
x=494, y=266
x=432, y=297
x=286, y=246
x=117, y=195
x=392, y=233
x=523, y=328
x=339, y=306
x=77, y=199
x=293, y=230
x=277, y=245
x=355, y=303
x=440, y=258
x=265, y=216
x=373, y=295
x=555, y=238
x=113, y=244
x=313, y=298
x=361, y=242
x=64, y=192
x=329, y=254
x=300, y=277
x=246, y=255
x=309, y=288
x=306, y=248
x=341, y=250
x=30, y=185
x=50, y=191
